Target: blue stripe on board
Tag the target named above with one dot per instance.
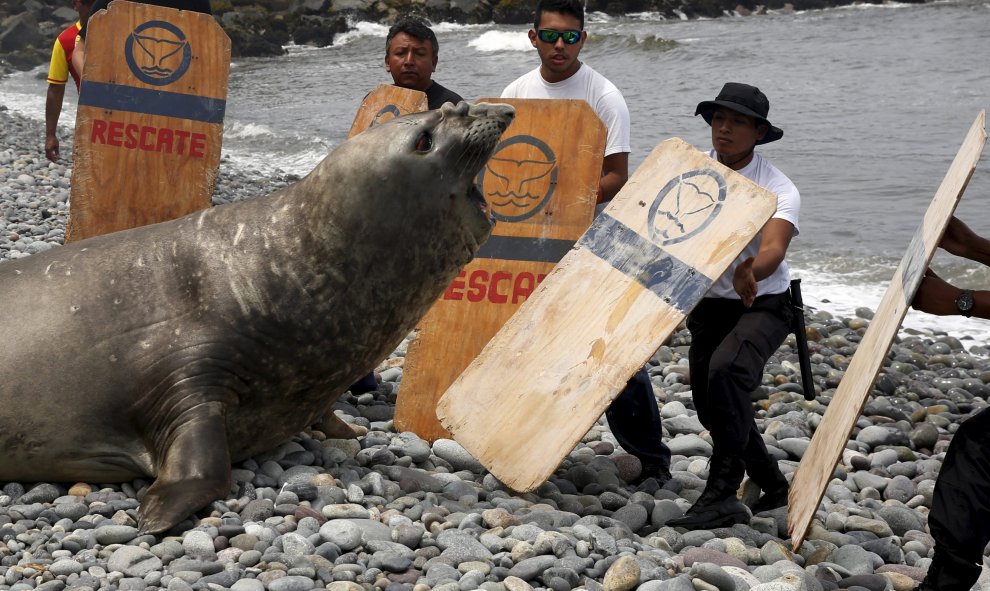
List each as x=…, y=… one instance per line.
x=672, y=280
x=522, y=248
x=117, y=97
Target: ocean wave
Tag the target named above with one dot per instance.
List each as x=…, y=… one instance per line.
x=24, y=94
x=873, y=6
x=300, y=163
x=26, y=105
x=360, y=30
x=842, y=284
x=236, y=129
x=447, y=27
x=292, y=49
x=635, y=41
x=491, y=41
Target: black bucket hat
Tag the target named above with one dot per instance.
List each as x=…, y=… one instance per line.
x=744, y=99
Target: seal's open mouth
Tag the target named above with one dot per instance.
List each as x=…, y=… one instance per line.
x=479, y=201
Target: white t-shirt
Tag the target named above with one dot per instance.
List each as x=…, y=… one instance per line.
x=761, y=172
x=589, y=86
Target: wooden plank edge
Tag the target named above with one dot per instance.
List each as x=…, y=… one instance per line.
x=800, y=521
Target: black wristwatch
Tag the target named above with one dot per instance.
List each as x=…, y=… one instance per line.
x=964, y=302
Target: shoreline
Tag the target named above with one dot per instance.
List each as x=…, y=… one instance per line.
x=263, y=28
x=391, y=511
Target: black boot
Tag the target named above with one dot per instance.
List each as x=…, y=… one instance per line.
x=718, y=505
x=949, y=572
x=764, y=471
x=774, y=486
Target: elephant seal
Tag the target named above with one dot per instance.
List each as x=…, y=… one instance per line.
x=172, y=350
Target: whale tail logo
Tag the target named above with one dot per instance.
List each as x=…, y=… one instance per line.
x=686, y=205
x=158, y=53
x=518, y=183
x=519, y=180
x=158, y=58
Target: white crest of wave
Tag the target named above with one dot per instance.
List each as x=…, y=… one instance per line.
x=835, y=293
x=237, y=129
x=361, y=29
x=445, y=27
x=501, y=41
x=299, y=163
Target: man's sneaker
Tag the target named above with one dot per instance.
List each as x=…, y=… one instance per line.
x=722, y=513
x=771, y=499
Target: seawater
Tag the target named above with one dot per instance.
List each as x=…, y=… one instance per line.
x=874, y=100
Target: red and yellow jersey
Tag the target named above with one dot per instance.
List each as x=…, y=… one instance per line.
x=61, y=65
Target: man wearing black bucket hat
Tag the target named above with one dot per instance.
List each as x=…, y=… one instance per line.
x=741, y=321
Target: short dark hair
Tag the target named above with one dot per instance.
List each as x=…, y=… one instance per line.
x=415, y=27
x=571, y=7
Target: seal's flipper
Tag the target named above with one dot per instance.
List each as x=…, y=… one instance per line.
x=194, y=469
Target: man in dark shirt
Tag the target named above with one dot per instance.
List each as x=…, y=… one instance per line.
x=959, y=519
x=411, y=54
x=79, y=54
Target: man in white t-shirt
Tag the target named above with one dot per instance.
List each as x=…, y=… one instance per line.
x=741, y=321
x=558, y=36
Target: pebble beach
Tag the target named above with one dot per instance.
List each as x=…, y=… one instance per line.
x=392, y=512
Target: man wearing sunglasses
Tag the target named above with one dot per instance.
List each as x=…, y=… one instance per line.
x=558, y=36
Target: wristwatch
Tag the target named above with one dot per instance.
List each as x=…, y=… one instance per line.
x=964, y=302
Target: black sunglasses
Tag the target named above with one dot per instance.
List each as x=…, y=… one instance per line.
x=551, y=36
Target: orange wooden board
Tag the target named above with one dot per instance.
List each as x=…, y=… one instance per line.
x=150, y=119
x=386, y=102
x=556, y=365
x=541, y=185
x=815, y=470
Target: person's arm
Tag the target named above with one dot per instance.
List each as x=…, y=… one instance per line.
x=775, y=237
x=79, y=56
x=961, y=241
x=615, y=173
x=53, y=108
x=938, y=297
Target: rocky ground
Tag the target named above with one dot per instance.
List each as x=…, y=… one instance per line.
x=392, y=512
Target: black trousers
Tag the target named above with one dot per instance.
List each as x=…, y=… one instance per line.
x=730, y=345
x=634, y=419
x=960, y=516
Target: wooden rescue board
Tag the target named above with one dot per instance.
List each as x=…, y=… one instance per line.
x=646, y=261
x=149, y=125
x=541, y=185
x=384, y=103
x=816, y=467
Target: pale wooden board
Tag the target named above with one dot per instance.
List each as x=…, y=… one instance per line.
x=147, y=144
x=554, y=368
x=816, y=467
x=552, y=152
x=384, y=103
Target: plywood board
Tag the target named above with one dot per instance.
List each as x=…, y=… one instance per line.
x=646, y=261
x=816, y=467
x=149, y=124
x=384, y=103
x=541, y=185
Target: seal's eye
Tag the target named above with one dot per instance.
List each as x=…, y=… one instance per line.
x=424, y=143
